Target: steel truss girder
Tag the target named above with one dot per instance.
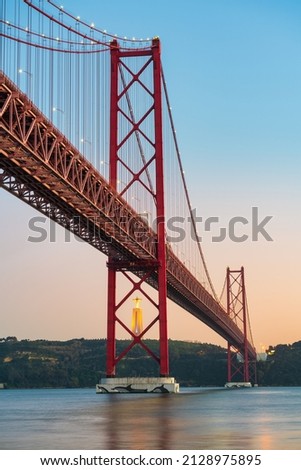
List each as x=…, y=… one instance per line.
x=30, y=141
x=21, y=185
x=36, y=157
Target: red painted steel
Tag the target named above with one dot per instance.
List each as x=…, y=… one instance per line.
x=240, y=361
x=119, y=89
x=160, y=216
x=41, y=167
x=111, y=309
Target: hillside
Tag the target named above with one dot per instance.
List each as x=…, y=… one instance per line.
x=81, y=362
x=283, y=366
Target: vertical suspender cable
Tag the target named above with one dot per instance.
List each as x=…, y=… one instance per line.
x=186, y=189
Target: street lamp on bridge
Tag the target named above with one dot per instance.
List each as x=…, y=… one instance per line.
x=29, y=84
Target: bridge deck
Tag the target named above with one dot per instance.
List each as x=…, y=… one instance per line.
x=41, y=167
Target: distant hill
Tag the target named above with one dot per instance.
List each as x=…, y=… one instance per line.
x=81, y=363
x=282, y=367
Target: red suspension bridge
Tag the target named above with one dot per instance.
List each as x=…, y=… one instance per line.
x=88, y=139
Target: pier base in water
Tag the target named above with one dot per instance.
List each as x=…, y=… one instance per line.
x=238, y=385
x=138, y=385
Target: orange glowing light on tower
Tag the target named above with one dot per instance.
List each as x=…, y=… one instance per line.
x=137, y=325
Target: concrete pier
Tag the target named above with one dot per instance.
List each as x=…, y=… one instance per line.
x=238, y=385
x=138, y=385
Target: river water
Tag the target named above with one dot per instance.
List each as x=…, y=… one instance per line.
x=196, y=418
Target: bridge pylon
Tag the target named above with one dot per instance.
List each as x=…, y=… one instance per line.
x=241, y=366
x=128, y=132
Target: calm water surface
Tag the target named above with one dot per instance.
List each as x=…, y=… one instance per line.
x=258, y=418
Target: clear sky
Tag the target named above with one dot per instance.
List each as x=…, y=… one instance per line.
x=233, y=70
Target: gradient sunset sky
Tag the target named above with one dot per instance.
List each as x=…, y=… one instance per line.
x=233, y=70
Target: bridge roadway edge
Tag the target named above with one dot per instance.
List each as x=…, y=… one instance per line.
x=184, y=295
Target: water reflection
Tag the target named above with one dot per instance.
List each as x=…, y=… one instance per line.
x=138, y=423
x=196, y=419
x=188, y=421
x=209, y=419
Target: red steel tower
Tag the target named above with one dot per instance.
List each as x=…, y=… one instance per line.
x=240, y=366
x=124, y=79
